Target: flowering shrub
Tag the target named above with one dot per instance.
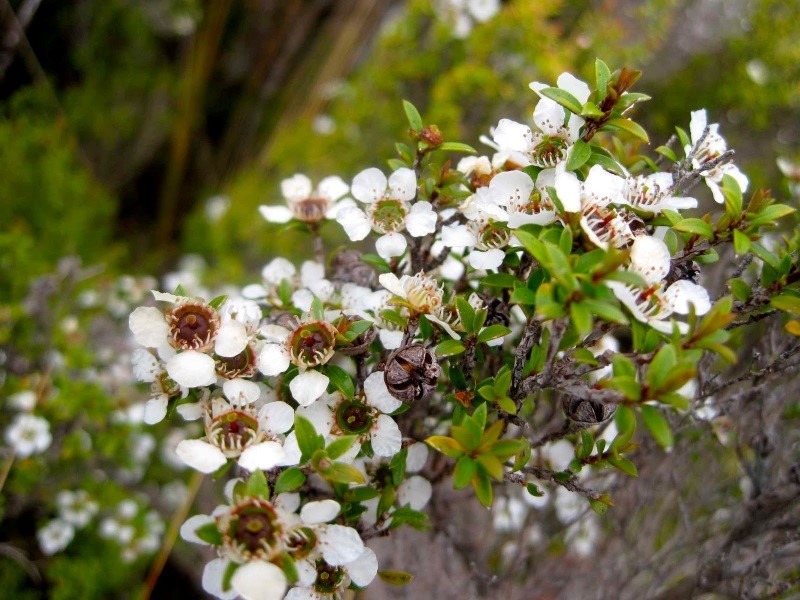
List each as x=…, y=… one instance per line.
x=567, y=271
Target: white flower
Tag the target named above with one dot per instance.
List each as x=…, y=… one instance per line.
x=462, y=13
x=76, y=507
x=705, y=149
x=418, y=291
x=307, y=204
x=24, y=400
x=387, y=210
x=55, y=536
x=29, y=435
x=360, y=571
x=652, y=193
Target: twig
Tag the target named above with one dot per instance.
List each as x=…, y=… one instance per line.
x=171, y=535
x=530, y=336
x=568, y=483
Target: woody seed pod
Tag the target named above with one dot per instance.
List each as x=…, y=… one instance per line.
x=588, y=412
x=411, y=373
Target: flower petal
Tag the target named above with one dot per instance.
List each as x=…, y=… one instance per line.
x=275, y=214
x=273, y=359
x=276, y=417
x=192, y=369
x=390, y=245
x=369, y=185
x=257, y=580
x=149, y=326
x=332, y=188
x=145, y=366
x=321, y=511
x=297, y=187
x=378, y=394
x=490, y=259
x=355, y=222
x=386, y=438
x=308, y=386
x=421, y=220
x=155, y=409
x=212, y=579
x=241, y=392
x=264, y=456
x=200, y=455
x=403, y=184
x=391, y=282
x=231, y=339
x=363, y=569
x=414, y=491
x=339, y=544
x=194, y=523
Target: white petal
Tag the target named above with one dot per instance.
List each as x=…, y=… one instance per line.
x=355, y=222
x=275, y=214
x=574, y=86
x=303, y=299
x=297, y=187
x=308, y=386
x=277, y=270
x=200, y=455
x=421, y=220
x=273, y=359
x=391, y=340
x=231, y=339
x=490, y=259
x=511, y=188
x=212, y=579
x=291, y=450
x=155, y=409
x=311, y=271
x=452, y=269
x=265, y=456
x=363, y=569
x=716, y=191
x=390, y=245
x=340, y=544
x=458, y=236
x=650, y=258
x=194, y=523
x=568, y=188
x=287, y=501
x=192, y=369
x=145, y=366
x=549, y=116
x=320, y=416
x=510, y=135
x=190, y=411
x=241, y=392
x=602, y=187
x=165, y=297
x=414, y=491
x=149, y=326
x=416, y=458
x=304, y=593
x=378, y=395
x=403, y=184
x=276, y=417
x=386, y=437
x=368, y=186
x=697, y=124
x=392, y=283
x=683, y=293
x=258, y=580
x=321, y=511
x=332, y=188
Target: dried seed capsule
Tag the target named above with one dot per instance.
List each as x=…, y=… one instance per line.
x=588, y=412
x=411, y=373
x=348, y=268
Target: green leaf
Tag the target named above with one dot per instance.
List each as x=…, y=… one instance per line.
x=661, y=366
x=288, y=481
x=602, y=75
x=534, y=490
x=457, y=147
x=318, y=309
x=591, y=110
x=446, y=445
x=741, y=243
x=604, y=310
x=625, y=420
x=668, y=153
x=581, y=318
x=228, y=575
x=412, y=114
x=493, y=332
x=739, y=289
x=339, y=446
x=395, y=577
x=449, y=348
x=564, y=98
x=624, y=465
x=626, y=125
x=466, y=313
x=218, y=301
x=623, y=366
x=787, y=302
x=341, y=380
x=209, y=534
x=307, y=438
x=480, y=416
x=340, y=472
x=657, y=424
x=483, y=488
x=408, y=516
x=464, y=472
x=257, y=485
x=599, y=507
x=500, y=280
x=696, y=227
x=581, y=152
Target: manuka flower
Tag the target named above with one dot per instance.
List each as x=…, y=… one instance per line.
x=306, y=204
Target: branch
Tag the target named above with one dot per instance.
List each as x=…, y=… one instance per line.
x=569, y=483
x=533, y=329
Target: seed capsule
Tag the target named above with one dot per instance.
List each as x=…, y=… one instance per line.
x=411, y=373
x=348, y=268
x=588, y=412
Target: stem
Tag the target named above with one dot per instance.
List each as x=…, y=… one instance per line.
x=6, y=468
x=172, y=534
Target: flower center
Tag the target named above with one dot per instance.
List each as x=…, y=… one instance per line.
x=328, y=578
x=251, y=530
x=300, y=542
x=312, y=344
x=192, y=326
x=493, y=235
x=549, y=152
x=310, y=210
x=388, y=215
x=354, y=417
x=232, y=432
x=241, y=365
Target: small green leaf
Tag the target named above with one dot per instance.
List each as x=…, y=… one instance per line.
x=449, y=348
x=341, y=380
x=257, y=485
x=209, y=534
x=288, y=481
x=480, y=416
x=788, y=302
x=395, y=577
x=534, y=490
x=602, y=75
x=623, y=124
x=624, y=465
x=413, y=116
x=564, y=98
x=581, y=151
x=696, y=227
x=339, y=446
x=307, y=438
x=668, y=153
x=218, y=301
x=581, y=318
x=464, y=471
x=493, y=332
x=657, y=424
x=457, y=147
x=739, y=289
x=466, y=314
x=445, y=445
x=741, y=243
x=483, y=488
x=340, y=472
